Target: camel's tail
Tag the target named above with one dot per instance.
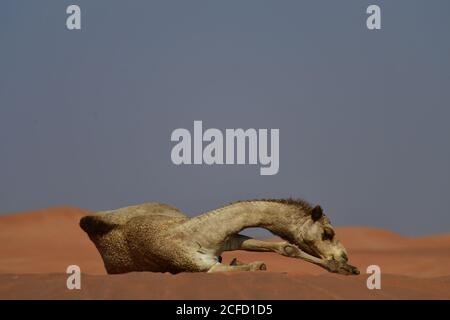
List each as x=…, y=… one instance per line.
x=95, y=226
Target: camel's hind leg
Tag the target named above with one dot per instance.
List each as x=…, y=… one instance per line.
x=252, y=266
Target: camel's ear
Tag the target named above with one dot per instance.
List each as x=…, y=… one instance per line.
x=316, y=213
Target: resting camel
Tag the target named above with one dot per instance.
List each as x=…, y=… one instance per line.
x=160, y=238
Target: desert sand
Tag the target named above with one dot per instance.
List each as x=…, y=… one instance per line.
x=36, y=248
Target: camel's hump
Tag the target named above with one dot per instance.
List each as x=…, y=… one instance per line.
x=104, y=221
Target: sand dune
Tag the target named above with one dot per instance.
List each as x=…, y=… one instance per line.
x=258, y=285
x=38, y=246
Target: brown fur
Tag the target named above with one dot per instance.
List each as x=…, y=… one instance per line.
x=160, y=238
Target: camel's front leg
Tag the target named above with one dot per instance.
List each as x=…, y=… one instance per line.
x=241, y=242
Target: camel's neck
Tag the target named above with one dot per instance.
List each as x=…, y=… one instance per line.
x=212, y=228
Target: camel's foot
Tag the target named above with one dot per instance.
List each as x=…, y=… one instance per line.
x=342, y=268
x=236, y=265
x=257, y=265
x=290, y=250
x=253, y=266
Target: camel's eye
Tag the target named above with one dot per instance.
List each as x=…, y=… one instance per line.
x=328, y=234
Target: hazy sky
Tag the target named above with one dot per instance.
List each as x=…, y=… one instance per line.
x=86, y=116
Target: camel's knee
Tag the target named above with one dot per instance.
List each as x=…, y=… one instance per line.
x=287, y=249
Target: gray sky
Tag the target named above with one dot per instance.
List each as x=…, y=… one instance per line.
x=86, y=116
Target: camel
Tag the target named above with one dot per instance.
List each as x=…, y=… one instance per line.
x=158, y=237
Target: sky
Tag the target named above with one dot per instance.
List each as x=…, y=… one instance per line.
x=86, y=116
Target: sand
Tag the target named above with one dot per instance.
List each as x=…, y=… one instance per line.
x=36, y=248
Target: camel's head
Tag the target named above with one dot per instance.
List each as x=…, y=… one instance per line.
x=317, y=238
